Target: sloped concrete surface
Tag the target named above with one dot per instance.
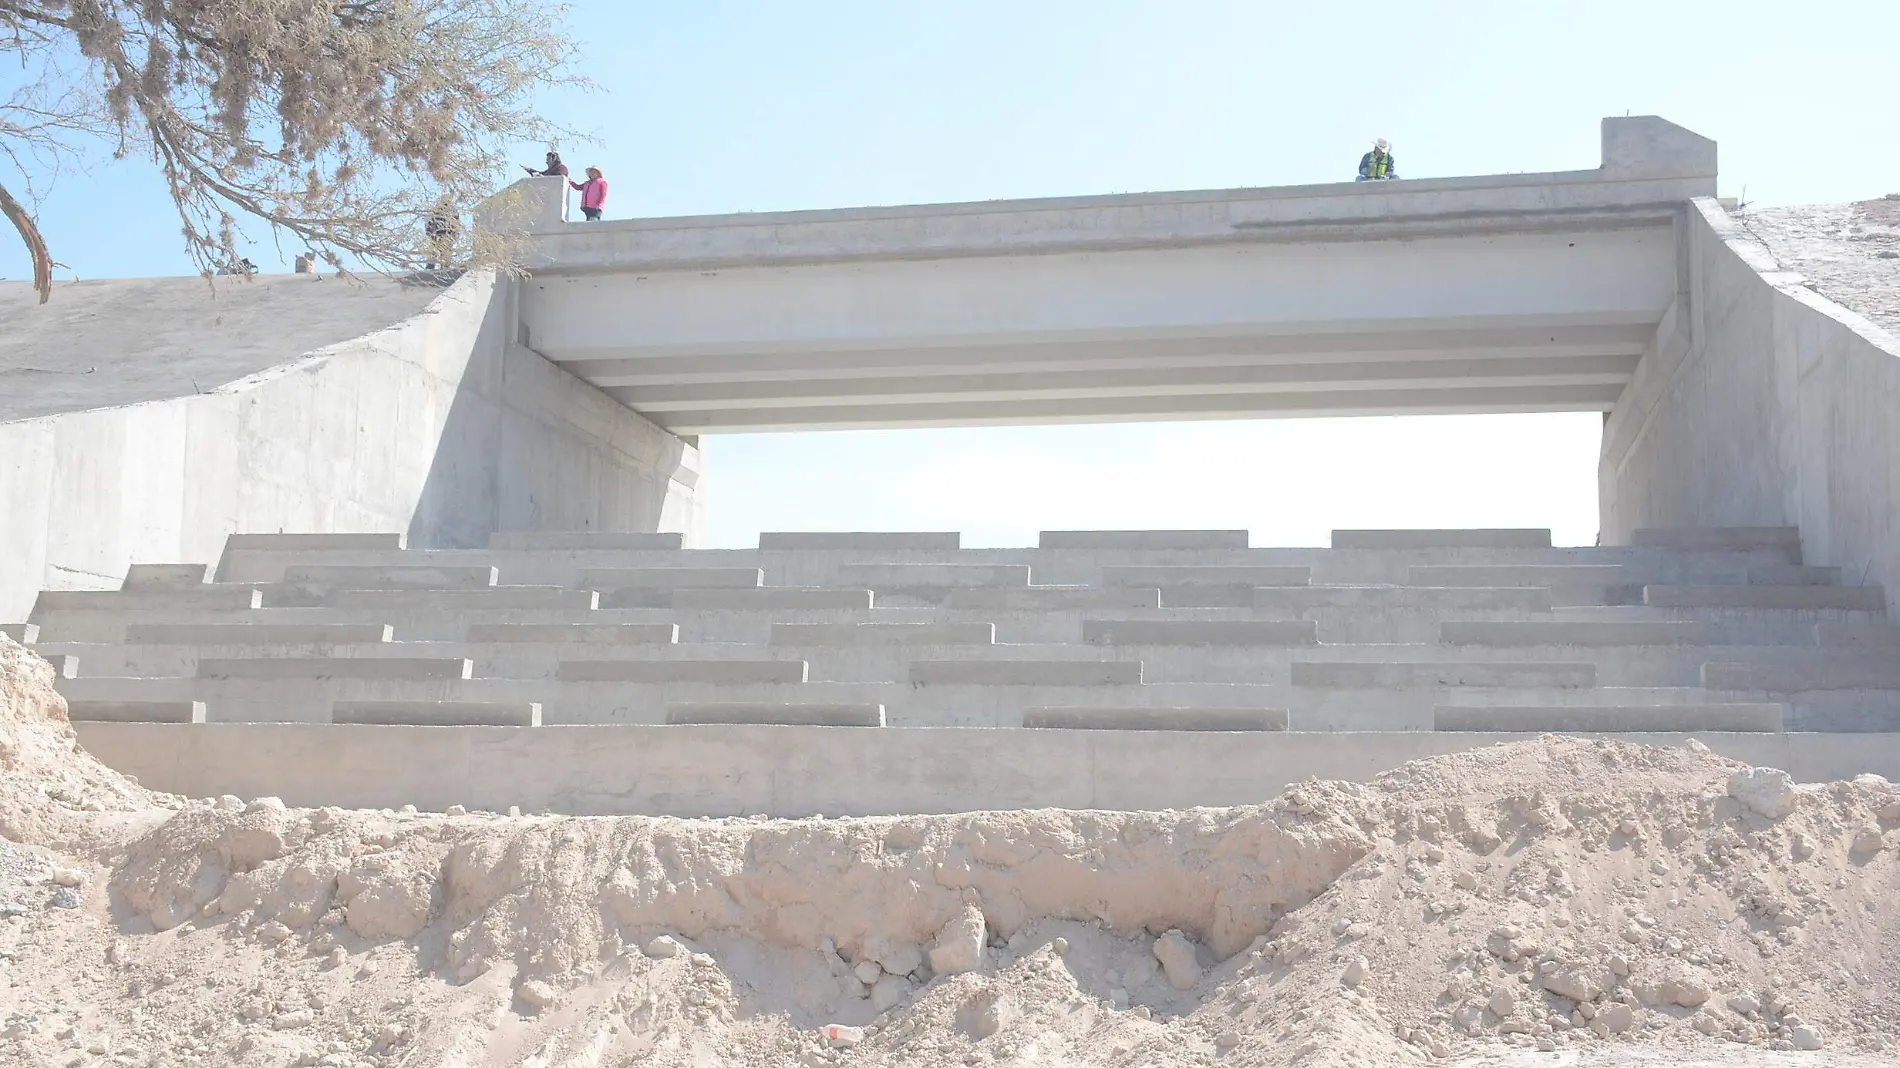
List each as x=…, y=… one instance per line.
x=119, y=341
x=1848, y=253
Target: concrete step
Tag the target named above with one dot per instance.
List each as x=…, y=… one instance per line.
x=888, y=577
x=491, y=599
x=881, y=634
x=254, y=543
x=1873, y=635
x=135, y=711
x=436, y=713
x=1577, y=633
x=1025, y=672
x=1862, y=598
x=206, y=597
x=771, y=598
x=1410, y=675
x=1793, y=575
x=1607, y=719
x=671, y=578
x=1545, y=575
x=1196, y=632
x=860, y=541
x=1389, y=598
x=22, y=633
x=718, y=672
x=781, y=714
x=1156, y=719
x=1442, y=539
x=288, y=667
x=1727, y=539
x=401, y=577
x=1142, y=539
x=1165, y=576
x=166, y=576
x=576, y=633
x=304, y=634
x=1052, y=598
x=584, y=540
x=1857, y=673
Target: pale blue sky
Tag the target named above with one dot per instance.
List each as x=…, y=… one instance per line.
x=708, y=106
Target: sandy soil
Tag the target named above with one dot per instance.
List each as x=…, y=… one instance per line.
x=1563, y=902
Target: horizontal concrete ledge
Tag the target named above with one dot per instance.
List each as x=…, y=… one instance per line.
x=1858, y=674
x=1052, y=598
x=772, y=598
x=672, y=578
x=586, y=540
x=862, y=634
x=436, y=713
x=961, y=576
x=165, y=576
x=247, y=543
x=796, y=771
x=1737, y=539
x=1573, y=632
x=1142, y=539
x=1518, y=574
x=1166, y=575
x=577, y=633
x=222, y=597
x=813, y=715
x=808, y=541
x=1607, y=719
x=1389, y=598
x=1501, y=538
x=23, y=633
x=1858, y=635
x=336, y=667
x=1370, y=675
x=257, y=633
x=1793, y=575
x=393, y=577
x=1843, y=598
x=1156, y=719
x=494, y=597
x=1200, y=632
x=1025, y=672
x=136, y=711
x=733, y=672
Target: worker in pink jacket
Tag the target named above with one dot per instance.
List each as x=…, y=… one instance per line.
x=593, y=194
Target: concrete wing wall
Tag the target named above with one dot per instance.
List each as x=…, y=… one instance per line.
x=438, y=427
x=1760, y=403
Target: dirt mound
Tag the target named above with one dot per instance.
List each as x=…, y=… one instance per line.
x=1634, y=904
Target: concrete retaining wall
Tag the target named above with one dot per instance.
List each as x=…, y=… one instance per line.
x=798, y=771
x=1760, y=403
x=438, y=426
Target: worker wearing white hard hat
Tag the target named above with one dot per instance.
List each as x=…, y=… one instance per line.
x=1377, y=165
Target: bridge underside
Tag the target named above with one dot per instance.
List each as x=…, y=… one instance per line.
x=1543, y=322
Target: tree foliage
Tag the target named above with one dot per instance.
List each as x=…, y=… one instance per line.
x=341, y=123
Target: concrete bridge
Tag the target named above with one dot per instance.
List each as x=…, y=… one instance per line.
x=1505, y=293
x=145, y=421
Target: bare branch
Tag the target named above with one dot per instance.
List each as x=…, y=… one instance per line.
x=36, y=245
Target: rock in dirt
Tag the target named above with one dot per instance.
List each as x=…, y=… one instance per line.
x=959, y=945
x=1767, y=791
x=539, y=995
x=664, y=947
x=1806, y=1036
x=1176, y=955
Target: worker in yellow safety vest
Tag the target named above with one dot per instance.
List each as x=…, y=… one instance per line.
x=1377, y=165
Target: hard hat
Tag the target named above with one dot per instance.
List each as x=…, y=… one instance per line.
x=1382, y=144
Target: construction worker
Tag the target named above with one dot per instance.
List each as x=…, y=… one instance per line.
x=1377, y=165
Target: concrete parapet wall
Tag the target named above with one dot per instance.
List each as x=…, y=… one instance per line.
x=438, y=427
x=1760, y=404
x=799, y=771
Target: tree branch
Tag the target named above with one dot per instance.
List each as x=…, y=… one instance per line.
x=36, y=245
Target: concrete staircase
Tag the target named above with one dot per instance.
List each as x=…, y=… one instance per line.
x=1388, y=633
